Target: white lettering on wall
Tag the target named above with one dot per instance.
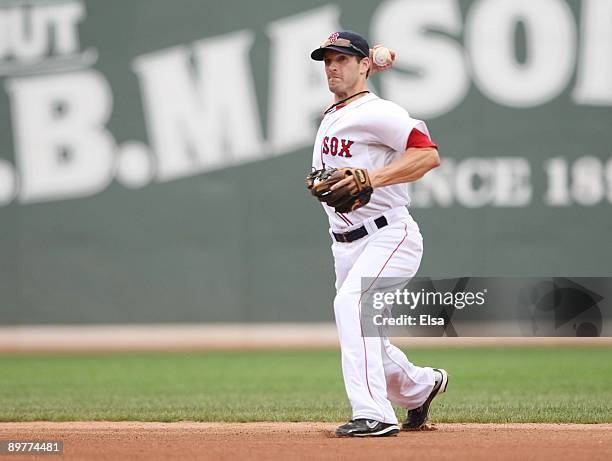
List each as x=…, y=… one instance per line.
x=298, y=87
x=476, y=182
x=551, y=49
x=204, y=118
x=430, y=76
x=594, y=81
x=62, y=147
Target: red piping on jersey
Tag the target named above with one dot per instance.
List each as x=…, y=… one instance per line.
x=419, y=140
x=343, y=216
x=365, y=353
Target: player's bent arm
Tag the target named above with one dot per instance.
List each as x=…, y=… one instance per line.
x=411, y=166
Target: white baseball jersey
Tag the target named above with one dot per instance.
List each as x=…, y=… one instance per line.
x=370, y=133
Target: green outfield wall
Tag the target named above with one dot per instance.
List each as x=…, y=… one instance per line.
x=152, y=153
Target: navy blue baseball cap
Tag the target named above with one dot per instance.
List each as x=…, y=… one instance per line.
x=347, y=42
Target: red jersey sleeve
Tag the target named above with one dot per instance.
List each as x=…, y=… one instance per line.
x=419, y=139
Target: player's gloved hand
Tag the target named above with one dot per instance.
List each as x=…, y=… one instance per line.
x=344, y=189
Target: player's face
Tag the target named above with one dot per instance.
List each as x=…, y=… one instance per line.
x=343, y=72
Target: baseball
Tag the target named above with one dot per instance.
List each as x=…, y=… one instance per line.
x=382, y=56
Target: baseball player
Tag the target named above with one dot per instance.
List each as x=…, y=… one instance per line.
x=375, y=148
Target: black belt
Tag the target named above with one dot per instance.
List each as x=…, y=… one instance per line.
x=360, y=232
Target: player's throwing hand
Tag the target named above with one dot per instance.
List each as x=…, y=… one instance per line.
x=376, y=64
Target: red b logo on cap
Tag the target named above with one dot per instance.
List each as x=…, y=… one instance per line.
x=333, y=37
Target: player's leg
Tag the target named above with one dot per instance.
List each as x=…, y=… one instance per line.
x=367, y=421
x=392, y=252
x=344, y=258
x=362, y=366
x=407, y=384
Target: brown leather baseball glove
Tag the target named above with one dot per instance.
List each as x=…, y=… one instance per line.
x=349, y=197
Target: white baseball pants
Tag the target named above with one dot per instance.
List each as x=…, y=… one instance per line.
x=376, y=373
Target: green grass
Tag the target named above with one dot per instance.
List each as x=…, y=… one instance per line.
x=487, y=385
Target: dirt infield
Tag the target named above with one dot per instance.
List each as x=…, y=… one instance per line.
x=281, y=441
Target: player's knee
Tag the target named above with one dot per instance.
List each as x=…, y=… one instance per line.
x=338, y=302
x=345, y=300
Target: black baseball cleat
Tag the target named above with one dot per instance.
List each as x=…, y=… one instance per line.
x=367, y=428
x=416, y=419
